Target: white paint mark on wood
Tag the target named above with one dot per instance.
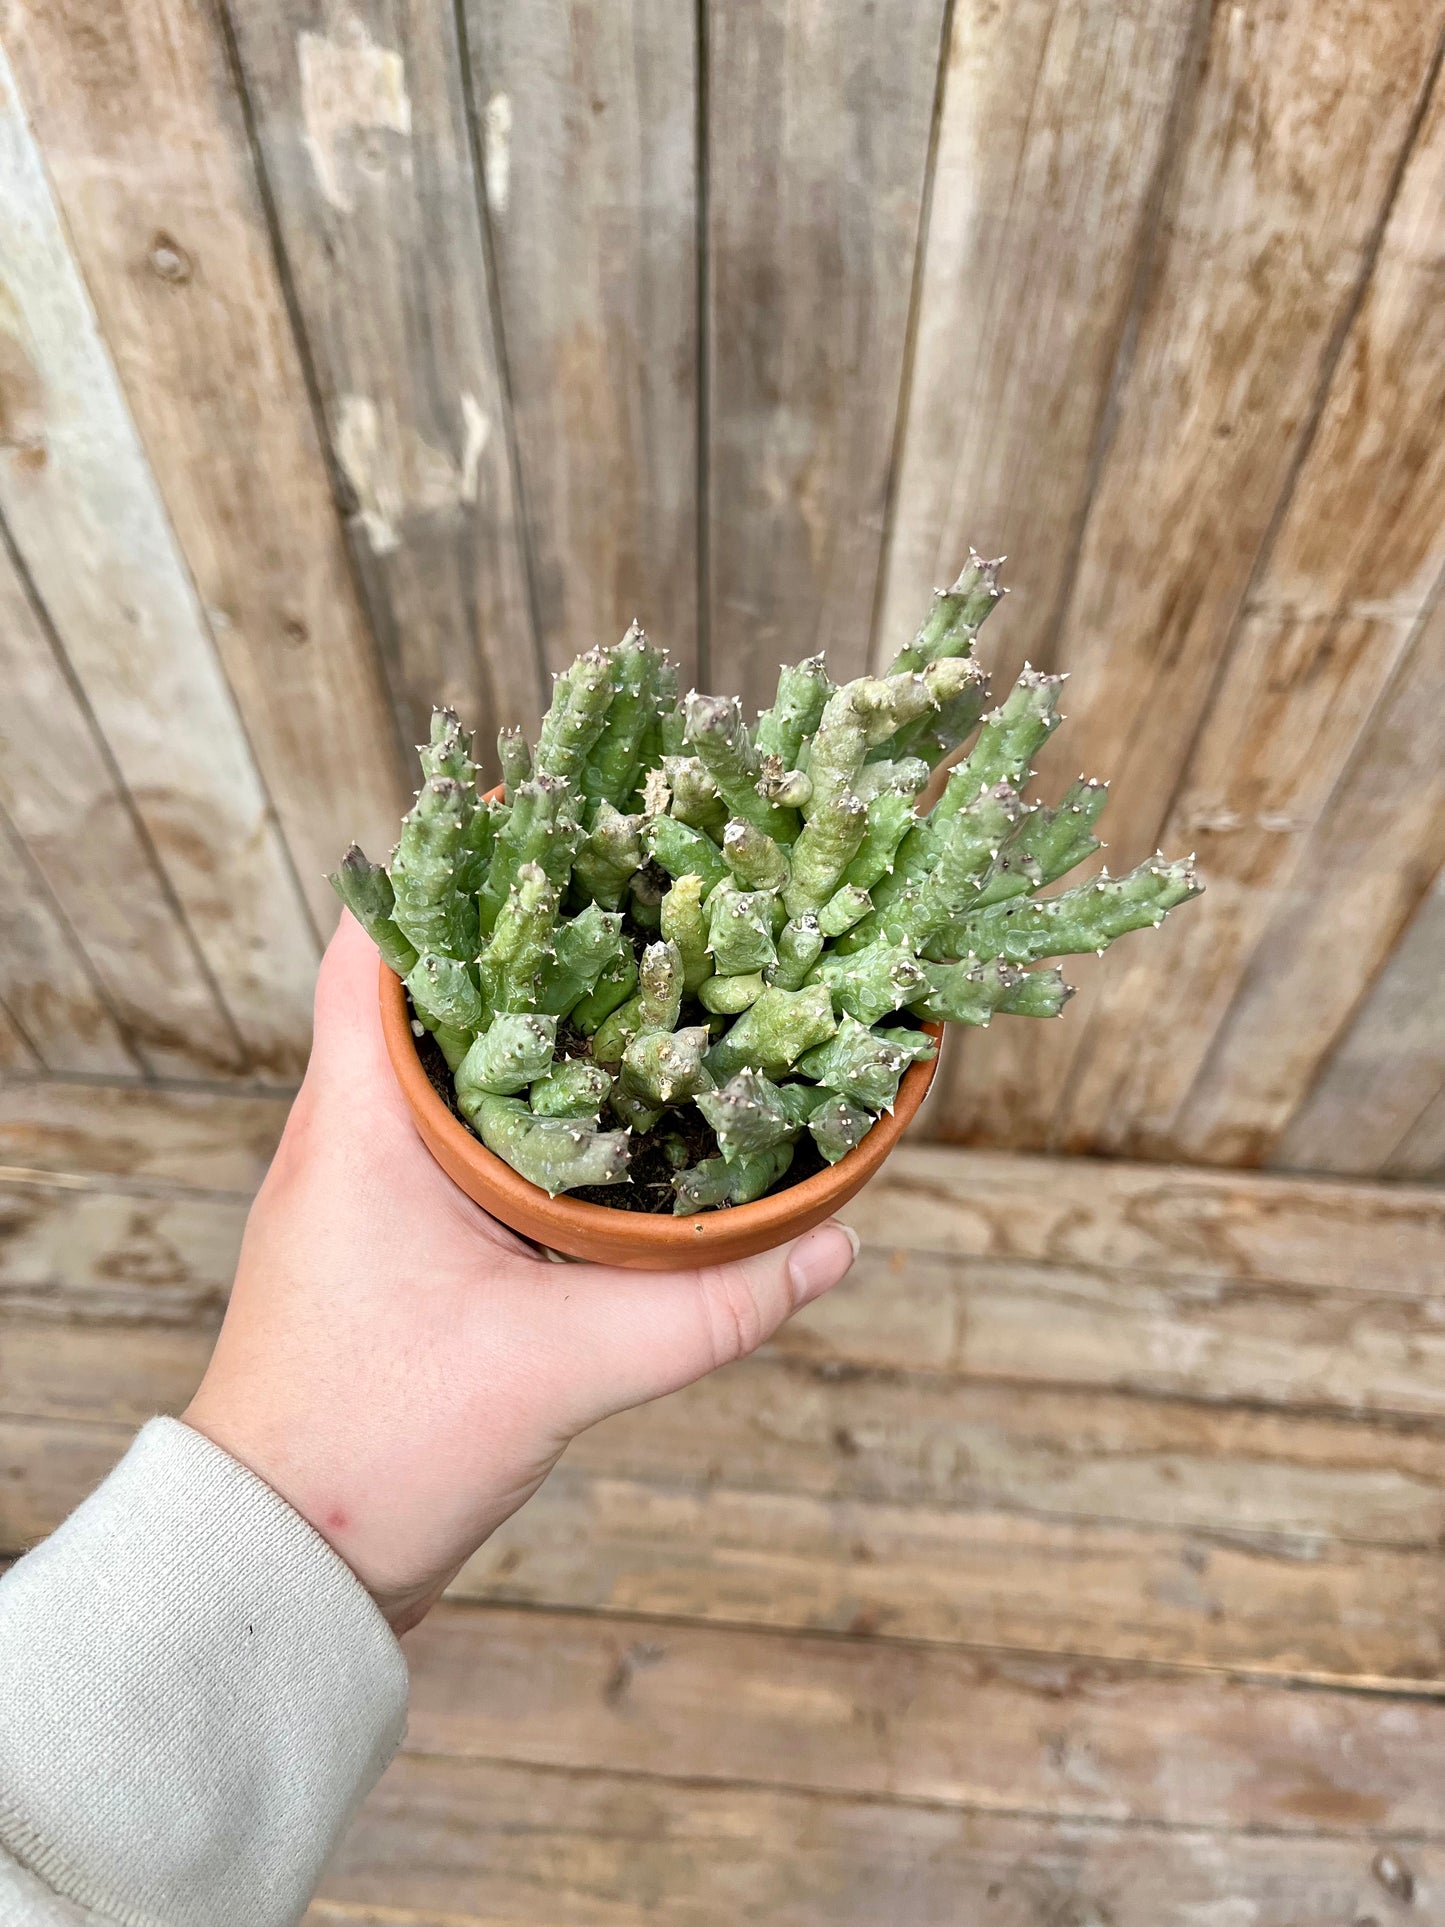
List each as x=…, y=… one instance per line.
x=349, y=85
x=397, y=473
x=477, y=429
x=497, y=151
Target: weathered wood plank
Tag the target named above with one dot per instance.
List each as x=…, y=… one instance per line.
x=82, y=506
x=80, y=829
x=48, y=991
x=588, y=121
x=989, y=1731
x=1422, y=1153
x=507, y=1845
x=1387, y=1069
x=17, y=1055
x=1269, y=221
x=1290, y=1606
x=1167, y=1219
x=1331, y=614
x=362, y=125
x=193, y=1140
x=1054, y=121
x=1206, y=1338
x=1370, y=858
x=144, y=138
x=818, y=137
x=78, y=1254
x=768, y=1427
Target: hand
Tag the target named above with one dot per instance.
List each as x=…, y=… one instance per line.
x=405, y=1371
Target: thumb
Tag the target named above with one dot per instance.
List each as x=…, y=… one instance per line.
x=646, y=1333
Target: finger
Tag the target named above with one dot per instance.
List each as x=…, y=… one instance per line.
x=346, y=1036
x=645, y=1333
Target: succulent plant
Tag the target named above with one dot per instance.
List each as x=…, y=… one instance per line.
x=667, y=910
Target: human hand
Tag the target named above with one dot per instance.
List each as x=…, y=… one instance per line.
x=403, y=1369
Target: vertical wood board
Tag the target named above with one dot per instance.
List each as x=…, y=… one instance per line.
x=143, y=136
x=818, y=132
x=588, y=123
x=362, y=125
x=82, y=506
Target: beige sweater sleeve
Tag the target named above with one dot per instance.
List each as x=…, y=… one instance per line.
x=195, y=1695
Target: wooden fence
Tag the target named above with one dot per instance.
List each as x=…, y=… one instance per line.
x=357, y=356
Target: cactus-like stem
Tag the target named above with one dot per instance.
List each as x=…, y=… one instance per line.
x=717, y=736
x=429, y=911
x=449, y=753
x=1088, y=917
x=515, y=756
x=556, y=1153
x=728, y=996
x=615, y=764
x=803, y=689
x=974, y=993
x=573, y=1088
x=365, y=889
x=751, y=1113
x=890, y=818
x=685, y=852
x=683, y=922
x=869, y=983
x=791, y=789
x=843, y=909
x=616, y=1032
x=740, y=930
x=716, y=1182
x=754, y=858
x=695, y=799
x=515, y=1050
x=540, y=828
x=1007, y=744
x=614, y=986
x=585, y=945
x=866, y=1065
x=772, y=1034
x=447, y=990
x=839, y=1126
x=659, y=986
x=570, y=729
x=956, y=616
x=932, y=737
x=666, y=1068
x=522, y=944
x=829, y=841
x=609, y=856
x=800, y=944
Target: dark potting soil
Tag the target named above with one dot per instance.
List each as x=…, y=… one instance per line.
x=649, y=1185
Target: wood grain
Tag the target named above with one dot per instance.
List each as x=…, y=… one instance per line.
x=17, y=1054
x=190, y=1140
x=588, y=124
x=1332, y=613
x=54, y=1003
x=362, y=125
x=778, y=1428
x=60, y=792
x=506, y=1845
x=1054, y=121
x=82, y=506
x=1169, y=1219
x=1368, y=861
x=1388, y=1069
x=1004, y=1732
x=818, y=140
x=1269, y=223
x=145, y=142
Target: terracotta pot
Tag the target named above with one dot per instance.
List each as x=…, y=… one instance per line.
x=643, y=1241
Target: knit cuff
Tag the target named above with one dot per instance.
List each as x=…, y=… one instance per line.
x=198, y=1693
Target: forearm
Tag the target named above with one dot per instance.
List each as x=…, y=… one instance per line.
x=197, y=1694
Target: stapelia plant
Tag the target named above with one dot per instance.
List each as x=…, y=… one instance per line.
x=676, y=929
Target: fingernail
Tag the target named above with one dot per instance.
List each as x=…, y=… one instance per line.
x=819, y=1260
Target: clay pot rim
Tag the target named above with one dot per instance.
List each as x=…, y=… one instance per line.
x=578, y=1225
